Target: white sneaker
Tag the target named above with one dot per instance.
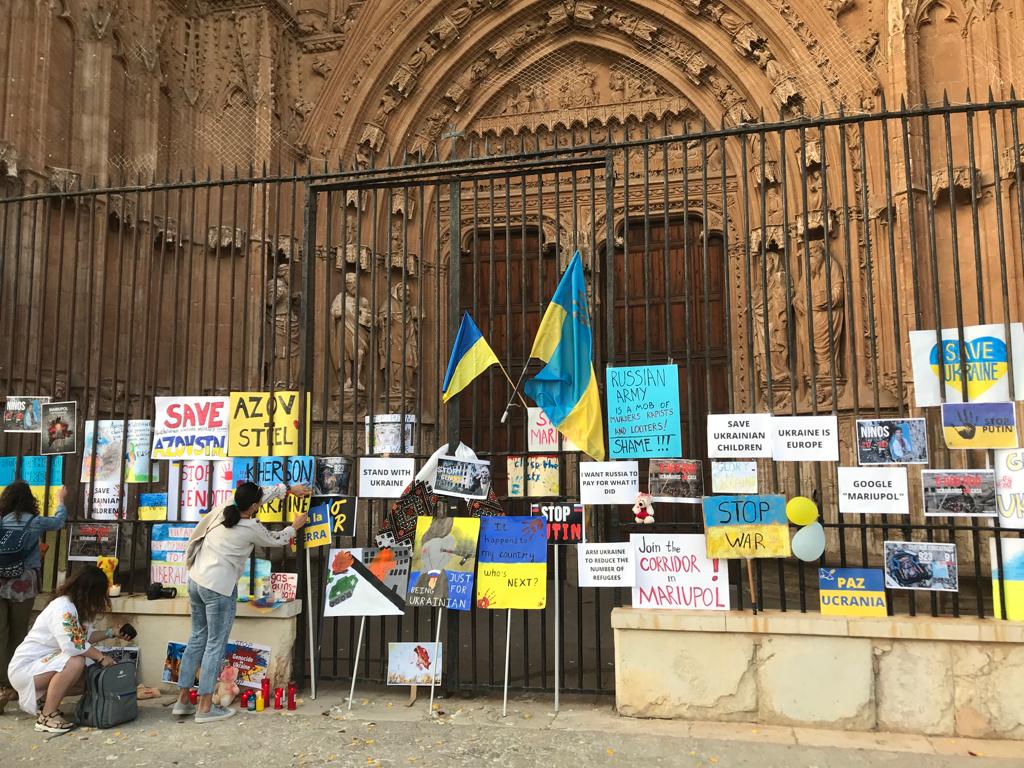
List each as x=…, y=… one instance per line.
x=180, y=709
x=215, y=713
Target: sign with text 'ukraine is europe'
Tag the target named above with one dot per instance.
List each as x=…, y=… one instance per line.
x=851, y=592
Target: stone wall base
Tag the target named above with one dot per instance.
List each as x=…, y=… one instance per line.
x=954, y=677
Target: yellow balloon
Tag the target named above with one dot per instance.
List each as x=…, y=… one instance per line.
x=801, y=511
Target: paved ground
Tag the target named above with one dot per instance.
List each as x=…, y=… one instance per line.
x=382, y=732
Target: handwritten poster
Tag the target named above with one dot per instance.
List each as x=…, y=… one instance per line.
x=512, y=571
x=152, y=506
x=190, y=428
x=805, y=438
x=985, y=360
x=979, y=425
x=606, y=565
x=564, y=522
x=516, y=468
x=139, y=466
x=739, y=435
x=263, y=424
x=873, y=491
x=1009, y=469
x=674, y=571
x=676, y=481
x=329, y=516
x=959, y=492
x=105, y=502
x=734, y=477
x=541, y=434
x=291, y=470
x=196, y=487
x=167, y=563
x=542, y=476
x=643, y=411
x=443, y=561
x=384, y=478
x=746, y=526
x=609, y=482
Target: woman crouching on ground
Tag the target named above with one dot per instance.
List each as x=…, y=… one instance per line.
x=217, y=553
x=50, y=662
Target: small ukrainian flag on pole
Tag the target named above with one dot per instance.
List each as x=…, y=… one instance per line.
x=471, y=356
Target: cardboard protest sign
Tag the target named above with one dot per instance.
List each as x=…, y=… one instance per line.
x=390, y=435
x=167, y=562
x=739, y=435
x=152, y=506
x=1013, y=579
x=542, y=476
x=516, y=468
x=923, y=565
x=139, y=466
x=105, y=502
x=333, y=475
x=643, y=411
x=959, y=492
x=746, y=526
x=512, y=570
x=986, y=363
x=190, y=428
x=329, y=515
x=87, y=541
x=734, y=477
x=979, y=425
x=873, y=490
x=384, y=478
x=673, y=571
x=443, y=562
x=414, y=663
x=606, y=565
x=892, y=441
x=679, y=481
x=805, y=438
x=851, y=592
x=541, y=434
x=1009, y=469
x=250, y=659
x=24, y=414
x=285, y=586
x=366, y=582
x=59, y=428
x=291, y=470
x=564, y=522
x=41, y=471
x=264, y=424
x=609, y=482
x=462, y=478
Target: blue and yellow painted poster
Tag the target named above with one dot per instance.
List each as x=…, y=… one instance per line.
x=513, y=563
x=979, y=425
x=1013, y=581
x=851, y=592
x=746, y=526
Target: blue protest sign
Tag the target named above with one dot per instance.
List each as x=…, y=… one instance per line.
x=643, y=412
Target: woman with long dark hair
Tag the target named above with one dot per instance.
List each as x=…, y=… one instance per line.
x=20, y=519
x=50, y=662
x=217, y=553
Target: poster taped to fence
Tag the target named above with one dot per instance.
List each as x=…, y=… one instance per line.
x=462, y=478
x=979, y=425
x=851, y=592
x=542, y=476
x=805, y=438
x=873, y=491
x=892, y=441
x=985, y=361
x=24, y=414
x=924, y=565
x=676, y=481
x=87, y=541
x=384, y=478
x=643, y=412
x=167, y=562
x=1009, y=469
x=606, y=565
x=739, y=435
x=139, y=466
x=264, y=424
x=746, y=526
x=609, y=482
x=565, y=521
x=152, y=506
x=512, y=563
x=190, y=428
x=541, y=434
x=333, y=475
x=59, y=430
x=734, y=477
x=959, y=492
x=674, y=571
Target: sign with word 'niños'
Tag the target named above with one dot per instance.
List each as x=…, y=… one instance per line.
x=190, y=428
x=746, y=526
x=851, y=591
x=981, y=359
x=979, y=425
x=264, y=424
x=609, y=482
x=564, y=522
x=739, y=435
x=673, y=571
x=643, y=411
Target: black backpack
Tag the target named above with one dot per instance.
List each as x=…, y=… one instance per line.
x=110, y=697
x=16, y=545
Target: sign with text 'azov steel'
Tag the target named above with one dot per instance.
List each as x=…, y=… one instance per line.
x=746, y=526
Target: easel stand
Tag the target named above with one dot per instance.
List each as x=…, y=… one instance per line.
x=508, y=644
x=558, y=640
x=355, y=667
x=310, y=610
x=437, y=644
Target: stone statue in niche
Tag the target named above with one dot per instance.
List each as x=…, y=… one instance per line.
x=771, y=304
x=282, y=311
x=745, y=35
x=826, y=311
x=398, y=344
x=351, y=336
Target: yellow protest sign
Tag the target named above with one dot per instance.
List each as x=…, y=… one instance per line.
x=746, y=526
x=264, y=425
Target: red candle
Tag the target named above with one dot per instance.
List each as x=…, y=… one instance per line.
x=291, y=695
x=265, y=688
x=244, y=701
x=193, y=696
x=278, y=694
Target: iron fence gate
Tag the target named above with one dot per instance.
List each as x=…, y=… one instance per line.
x=780, y=265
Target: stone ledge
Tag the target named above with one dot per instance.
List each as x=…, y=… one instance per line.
x=138, y=605
x=795, y=623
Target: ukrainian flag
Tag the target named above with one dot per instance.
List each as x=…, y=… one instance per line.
x=471, y=356
x=566, y=388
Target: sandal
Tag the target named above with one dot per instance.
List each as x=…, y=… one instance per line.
x=53, y=722
x=7, y=695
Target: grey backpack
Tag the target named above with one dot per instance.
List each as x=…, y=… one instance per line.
x=110, y=697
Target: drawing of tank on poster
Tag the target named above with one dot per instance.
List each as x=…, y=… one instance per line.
x=443, y=561
x=892, y=441
x=367, y=582
x=924, y=565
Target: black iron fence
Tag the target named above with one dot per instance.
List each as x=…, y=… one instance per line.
x=780, y=265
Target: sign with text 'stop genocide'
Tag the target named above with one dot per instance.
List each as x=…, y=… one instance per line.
x=643, y=411
x=746, y=526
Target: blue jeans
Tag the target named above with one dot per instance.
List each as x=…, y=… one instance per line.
x=212, y=617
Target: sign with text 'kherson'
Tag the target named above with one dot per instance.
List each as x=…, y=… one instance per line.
x=190, y=428
x=643, y=412
x=746, y=526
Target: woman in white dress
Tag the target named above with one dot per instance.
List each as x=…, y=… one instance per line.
x=50, y=662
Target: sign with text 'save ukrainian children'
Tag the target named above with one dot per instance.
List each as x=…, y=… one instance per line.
x=643, y=411
x=263, y=424
x=190, y=428
x=512, y=563
x=746, y=526
x=739, y=435
x=609, y=482
x=384, y=478
x=851, y=591
x=805, y=438
x=564, y=522
x=673, y=571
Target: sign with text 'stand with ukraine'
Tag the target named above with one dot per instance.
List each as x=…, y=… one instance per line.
x=851, y=592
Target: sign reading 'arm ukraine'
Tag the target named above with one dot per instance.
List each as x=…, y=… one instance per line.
x=851, y=591
x=746, y=526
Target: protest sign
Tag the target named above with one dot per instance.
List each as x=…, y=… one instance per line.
x=264, y=424
x=41, y=471
x=609, y=482
x=59, y=428
x=734, y=477
x=190, y=428
x=564, y=522
x=167, y=562
x=103, y=451
x=805, y=438
x=105, y=502
x=390, y=435
x=679, y=481
x=985, y=362
x=329, y=516
x=87, y=541
x=253, y=585
x=8, y=470
x=1013, y=580
x=959, y=492
x=979, y=425
x=516, y=468
x=851, y=592
x=643, y=411
x=606, y=565
x=139, y=466
x=152, y=506
x=512, y=563
x=922, y=565
x=443, y=561
x=250, y=659
x=462, y=478
x=541, y=434
x=291, y=470
x=1009, y=469
x=24, y=414
x=414, y=663
x=189, y=489
x=739, y=435
x=333, y=475
x=285, y=586
x=542, y=476
x=673, y=571
x=366, y=582
x=384, y=478
x=746, y=526
x=892, y=441
x=873, y=490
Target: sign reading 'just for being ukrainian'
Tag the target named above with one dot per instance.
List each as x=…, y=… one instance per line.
x=851, y=591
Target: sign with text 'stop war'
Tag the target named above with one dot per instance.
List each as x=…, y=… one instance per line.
x=643, y=412
x=746, y=526
x=190, y=428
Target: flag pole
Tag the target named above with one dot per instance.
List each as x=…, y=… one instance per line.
x=515, y=390
x=508, y=643
x=355, y=667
